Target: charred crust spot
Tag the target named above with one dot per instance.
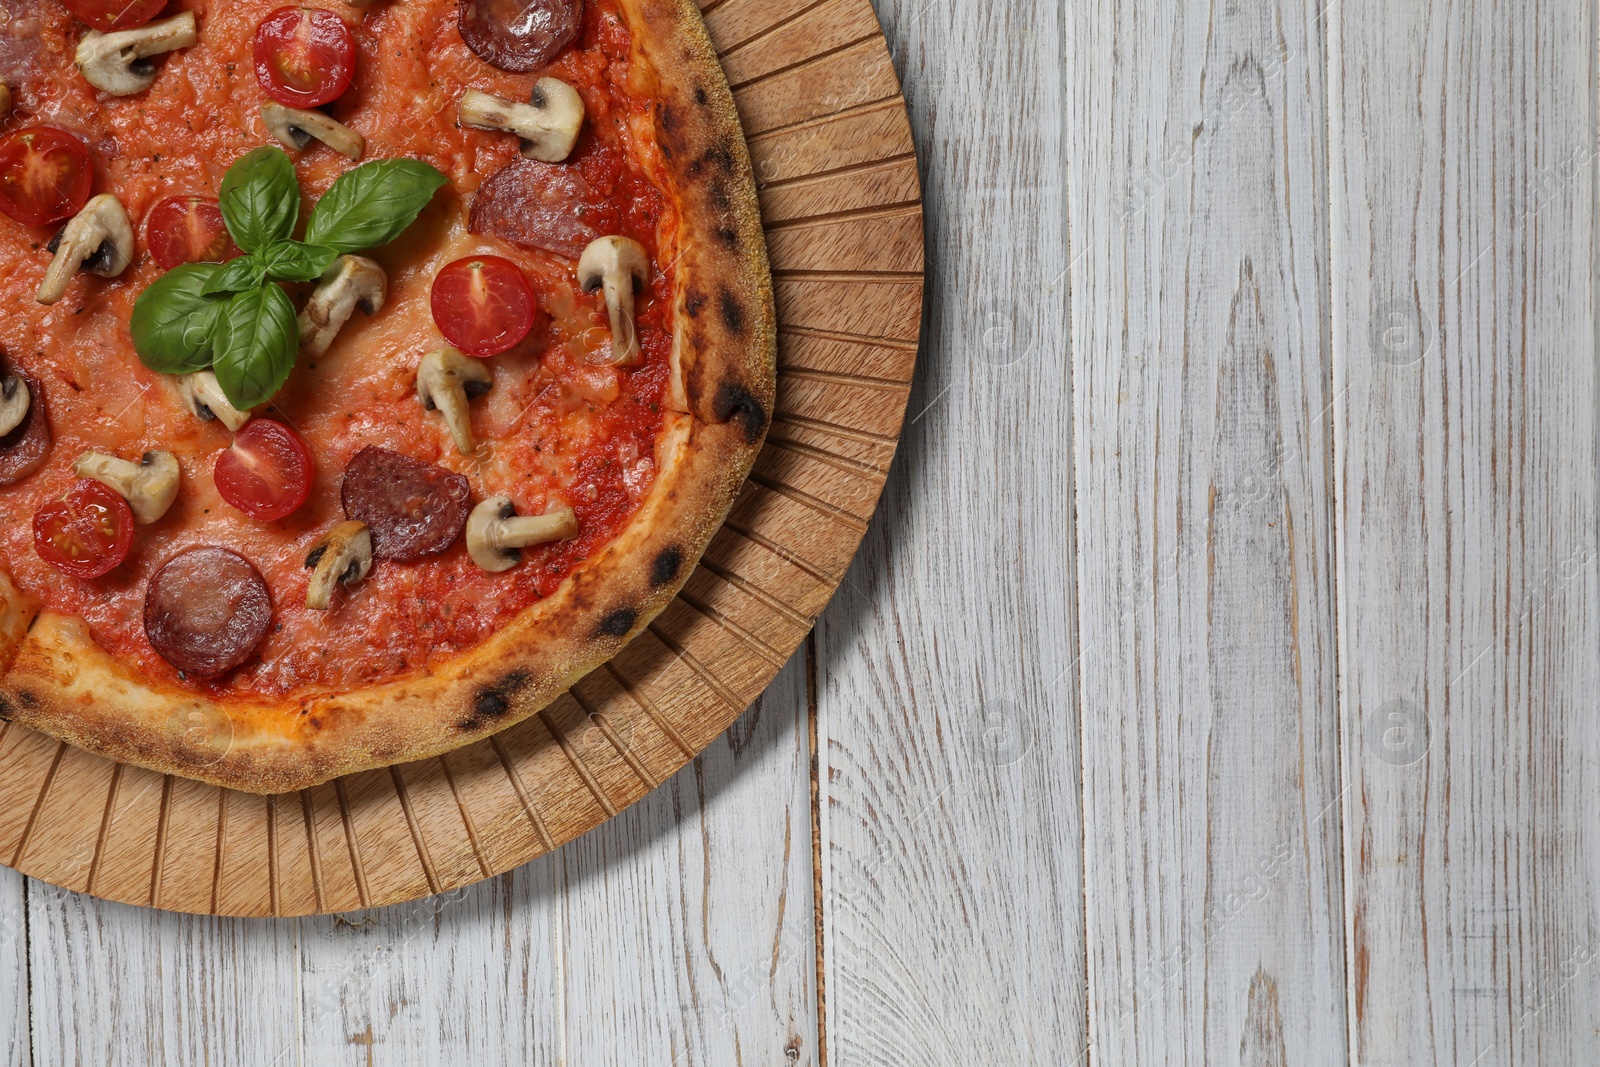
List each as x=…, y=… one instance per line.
x=619, y=622
x=693, y=302
x=489, y=705
x=700, y=95
x=720, y=200
x=734, y=403
x=5, y=710
x=728, y=236
x=732, y=313
x=666, y=566
x=493, y=701
x=28, y=699
x=668, y=118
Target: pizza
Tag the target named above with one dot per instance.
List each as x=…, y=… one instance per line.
x=369, y=372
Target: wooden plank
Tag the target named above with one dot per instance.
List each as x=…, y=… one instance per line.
x=947, y=747
x=690, y=915
x=1201, y=370
x=470, y=976
x=15, y=1046
x=120, y=984
x=1464, y=314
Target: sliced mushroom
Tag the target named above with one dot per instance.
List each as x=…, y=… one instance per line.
x=446, y=381
x=208, y=402
x=620, y=266
x=352, y=282
x=548, y=125
x=296, y=128
x=15, y=399
x=495, y=532
x=99, y=239
x=343, y=557
x=119, y=63
x=149, y=486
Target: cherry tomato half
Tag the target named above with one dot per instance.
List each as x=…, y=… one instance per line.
x=188, y=229
x=109, y=15
x=305, y=56
x=483, y=305
x=45, y=175
x=267, y=472
x=85, y=533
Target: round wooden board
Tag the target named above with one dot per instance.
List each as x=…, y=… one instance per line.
x=840, y=194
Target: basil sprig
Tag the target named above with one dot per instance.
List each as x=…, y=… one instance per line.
x=234, y=317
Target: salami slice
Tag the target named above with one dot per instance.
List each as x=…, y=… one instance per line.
x=519, y=34
x=206, y=611
x=24, y=449
x=538, y=205
x=414, y=509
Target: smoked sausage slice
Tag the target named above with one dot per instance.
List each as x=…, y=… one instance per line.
x=24, y=449
x=538, y=205
x=206, y=611
x=519, y=34
x=414, y=509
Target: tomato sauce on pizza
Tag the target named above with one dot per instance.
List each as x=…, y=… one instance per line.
x=501, y=297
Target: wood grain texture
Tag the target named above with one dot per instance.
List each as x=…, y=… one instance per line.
x=692, y=914
x=947, y=746
x=119, y=984
x=1202, y=369
x=15, y=1043
x=836, y=162
x=1464, y=308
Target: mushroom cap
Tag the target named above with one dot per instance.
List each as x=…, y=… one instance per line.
x=149, y=486
x=496, y=533
x=350, y=282
x=342, y=557
x=15, y=399
x=98, y=239
x=446, y=381
x=117, y=63
x=613, y=258
x=443, y=369
x=296, y=128
x=560, y=109
x=204, y=395
x=482, y=543
x=549, y=124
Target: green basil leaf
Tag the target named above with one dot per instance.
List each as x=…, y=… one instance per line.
x=246, y=272
x=373, y=204
x=174, y=322
x=292, y=261
x=261, y=199
x=258, y=338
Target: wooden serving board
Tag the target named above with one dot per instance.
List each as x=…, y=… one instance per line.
x=840, y=194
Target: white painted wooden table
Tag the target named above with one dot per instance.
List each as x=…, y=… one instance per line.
x=1219, y=681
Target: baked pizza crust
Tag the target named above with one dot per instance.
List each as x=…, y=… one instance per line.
x=55, y=679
